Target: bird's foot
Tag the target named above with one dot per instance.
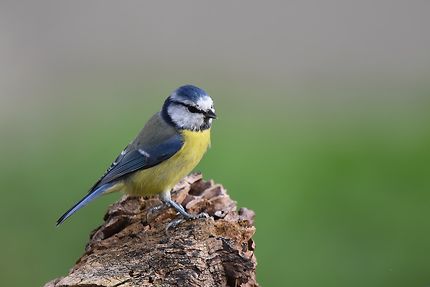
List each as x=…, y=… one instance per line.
x=180, y=209
x=175, y=222
x=165, y=197
x=153, y=210
x=202, y=215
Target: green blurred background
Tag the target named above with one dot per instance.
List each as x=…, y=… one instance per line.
x=323, y=130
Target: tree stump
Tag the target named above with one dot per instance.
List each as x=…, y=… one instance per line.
x=133, y=247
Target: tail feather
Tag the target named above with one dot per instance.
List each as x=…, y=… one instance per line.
x=84, y=201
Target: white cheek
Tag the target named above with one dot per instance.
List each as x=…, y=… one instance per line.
x=184, y=119
x=178, y=115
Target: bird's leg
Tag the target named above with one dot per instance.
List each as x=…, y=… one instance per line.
x=167, y=199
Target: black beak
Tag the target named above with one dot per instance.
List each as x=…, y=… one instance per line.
x=210, y=114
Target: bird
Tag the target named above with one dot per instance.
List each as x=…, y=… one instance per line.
x=170, y=145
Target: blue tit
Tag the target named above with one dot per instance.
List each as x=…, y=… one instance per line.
x=168, y=147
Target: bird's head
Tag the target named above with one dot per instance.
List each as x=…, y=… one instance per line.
x=190, y=108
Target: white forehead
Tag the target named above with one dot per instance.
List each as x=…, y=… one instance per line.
x=205, y=103
x=175, y=96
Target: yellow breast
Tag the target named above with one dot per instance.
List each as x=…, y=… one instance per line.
x=165, y=175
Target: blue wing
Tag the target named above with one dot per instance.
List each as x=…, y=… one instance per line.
x=157, y=142
x=138, y=157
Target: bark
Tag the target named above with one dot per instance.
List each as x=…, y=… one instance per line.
x=133, y=248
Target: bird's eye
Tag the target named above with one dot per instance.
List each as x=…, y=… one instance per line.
x=193, y=109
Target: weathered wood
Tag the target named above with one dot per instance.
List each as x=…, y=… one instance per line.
x=132, y=247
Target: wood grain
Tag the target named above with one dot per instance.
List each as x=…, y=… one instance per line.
x=133, y=247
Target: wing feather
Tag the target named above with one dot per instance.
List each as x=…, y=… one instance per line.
x=156, y=143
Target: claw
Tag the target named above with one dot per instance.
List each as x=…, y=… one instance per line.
x=202, y=215
x=165, y=197
x=153, y=210
x=173, y=224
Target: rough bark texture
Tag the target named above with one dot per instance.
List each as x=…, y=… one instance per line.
x=133, y=248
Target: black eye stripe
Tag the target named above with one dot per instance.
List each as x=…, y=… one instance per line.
x=194, y=109
x=190, y=108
